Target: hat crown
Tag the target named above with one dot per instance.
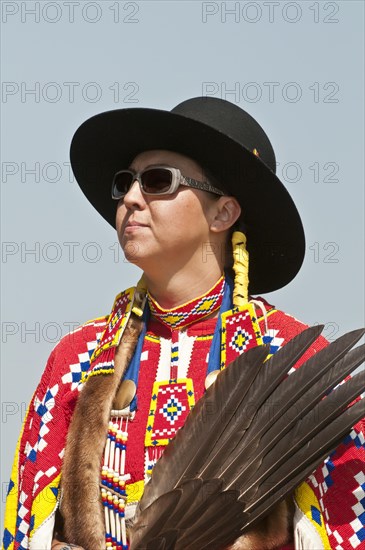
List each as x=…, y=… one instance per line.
x=232, y=121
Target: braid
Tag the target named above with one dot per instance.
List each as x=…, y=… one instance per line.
x=240, y=268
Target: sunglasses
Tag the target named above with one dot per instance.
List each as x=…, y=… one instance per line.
x=159, y=180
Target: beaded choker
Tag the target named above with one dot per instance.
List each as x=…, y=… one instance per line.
x=190, y=312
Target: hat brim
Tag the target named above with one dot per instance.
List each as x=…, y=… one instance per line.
x=109, y=141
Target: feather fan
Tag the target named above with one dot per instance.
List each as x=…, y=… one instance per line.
x=250, y=440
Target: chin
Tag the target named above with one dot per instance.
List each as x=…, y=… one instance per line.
x=136, y=253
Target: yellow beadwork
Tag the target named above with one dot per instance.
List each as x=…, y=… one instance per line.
x=306, y=501
x=240, y=268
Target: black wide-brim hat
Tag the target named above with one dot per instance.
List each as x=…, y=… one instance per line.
x=229, y=144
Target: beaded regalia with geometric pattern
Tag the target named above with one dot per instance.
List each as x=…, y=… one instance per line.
x=330, y=505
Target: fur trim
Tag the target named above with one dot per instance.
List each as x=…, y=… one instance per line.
x=272, y=532
x=81, y=505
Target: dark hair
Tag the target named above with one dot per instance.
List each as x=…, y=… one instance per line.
x=213, y=180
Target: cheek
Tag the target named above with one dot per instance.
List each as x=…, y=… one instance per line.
x=119, y=218
x=120, y=214
x=177, y=219
x=193, y=217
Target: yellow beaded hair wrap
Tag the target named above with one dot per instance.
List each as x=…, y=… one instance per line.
x=240, y=268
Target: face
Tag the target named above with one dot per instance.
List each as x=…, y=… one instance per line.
x=173, y=228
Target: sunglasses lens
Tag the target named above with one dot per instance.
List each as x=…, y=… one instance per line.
x=156, y=180
x=121, y=184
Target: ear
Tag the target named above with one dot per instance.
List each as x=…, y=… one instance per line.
x=227, y=213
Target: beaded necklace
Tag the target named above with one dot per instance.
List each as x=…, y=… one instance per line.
x=113, y=480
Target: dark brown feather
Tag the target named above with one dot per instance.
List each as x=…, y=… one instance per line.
x=274, y=452
x=274, y=491
x=296, y=426
x=166, y=541
x=218, y=412
x=202, y=431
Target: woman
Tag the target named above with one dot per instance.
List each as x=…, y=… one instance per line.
x=185, y=184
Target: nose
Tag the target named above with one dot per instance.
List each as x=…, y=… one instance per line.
x=134, y=198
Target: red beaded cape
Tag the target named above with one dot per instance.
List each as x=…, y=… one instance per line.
x=330, y=506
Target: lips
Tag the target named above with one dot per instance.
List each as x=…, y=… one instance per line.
x=133, y=225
